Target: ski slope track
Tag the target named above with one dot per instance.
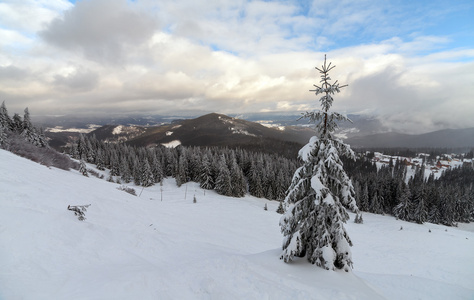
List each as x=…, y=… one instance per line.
x=161, y=245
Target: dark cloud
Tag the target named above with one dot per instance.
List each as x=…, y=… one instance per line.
x=382, y=90
x=101, y=30
x=79, y=80
x=12, y=73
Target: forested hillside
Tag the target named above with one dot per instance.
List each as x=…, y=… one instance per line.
x=447, y=200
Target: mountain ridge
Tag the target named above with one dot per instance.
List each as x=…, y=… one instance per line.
x=220, y=130
x=216, y=130
x=445, y=138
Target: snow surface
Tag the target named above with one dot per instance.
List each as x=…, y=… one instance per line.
x=117, y=130
x=172, y=144
x=161, y=245
x=241, y=131
x=91, y=127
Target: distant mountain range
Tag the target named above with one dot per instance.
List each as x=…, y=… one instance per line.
x=447, y=138
x=215, y=130
x=279, y=133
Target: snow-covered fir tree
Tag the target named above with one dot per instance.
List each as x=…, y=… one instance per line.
x=280, y=190
x=205, y=176
x=404, y=208
x=125, y=172
x=364, y=203
x=3, y=137
x=17, y=123
x=156, y=169
x=313, y=224
x=5, y=120
x=223, y=182
x=421, y=211
x=375, y=206
x=239, y=185
x=29, y=132
x=147, y=178
x=83, y=167
x=99, y=160
x=280, y=208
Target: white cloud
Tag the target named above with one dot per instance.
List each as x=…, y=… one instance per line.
x=103, y=30
x=29, y=15
x=252, y=56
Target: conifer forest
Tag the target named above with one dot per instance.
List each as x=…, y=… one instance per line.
x=446, y=200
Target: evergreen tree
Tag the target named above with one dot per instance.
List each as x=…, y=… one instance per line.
x=447, y=206
x=280, y=208
x=421, y=211
x=3, y=137
x=17, y=123
x=83, y=168
x=205, y=177
x=73, y=151
x=357, y=193
x=81, y=146
x=375, y=206
x=358, y=219
x=181, y=175
x=223, y=182
x=42, y=140
x=171, y=162
x=280, y=186
x=27, y=129
x=146, y=179
x=99, y=160
x=434, y=215
x=114, y=164
x=404, y=208
x=239, y=185
x=5, y=120
x=364, y=203
x=136, y=173
x=255, y=179
x=313, y=225
x=90, y=153
x=125, y=171
x=156, y=169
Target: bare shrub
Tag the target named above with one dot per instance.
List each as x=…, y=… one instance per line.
x=43, y=155
x=127, y=189
x=93, y=173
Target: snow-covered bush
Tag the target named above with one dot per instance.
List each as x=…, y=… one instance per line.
x=79, y=210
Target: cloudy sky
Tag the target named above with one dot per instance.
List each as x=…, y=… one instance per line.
x=410, y=63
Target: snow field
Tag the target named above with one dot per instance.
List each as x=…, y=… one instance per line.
x=218, y=248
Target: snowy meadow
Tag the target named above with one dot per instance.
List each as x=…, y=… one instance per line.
x=162, y=245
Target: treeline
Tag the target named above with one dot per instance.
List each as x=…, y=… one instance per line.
x=235, y=172
x=412, y=152
x=21, y=137
x=446, y=200
x=18, y=126
x=231, y=172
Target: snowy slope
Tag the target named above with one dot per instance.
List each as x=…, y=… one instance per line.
x=218, y=248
